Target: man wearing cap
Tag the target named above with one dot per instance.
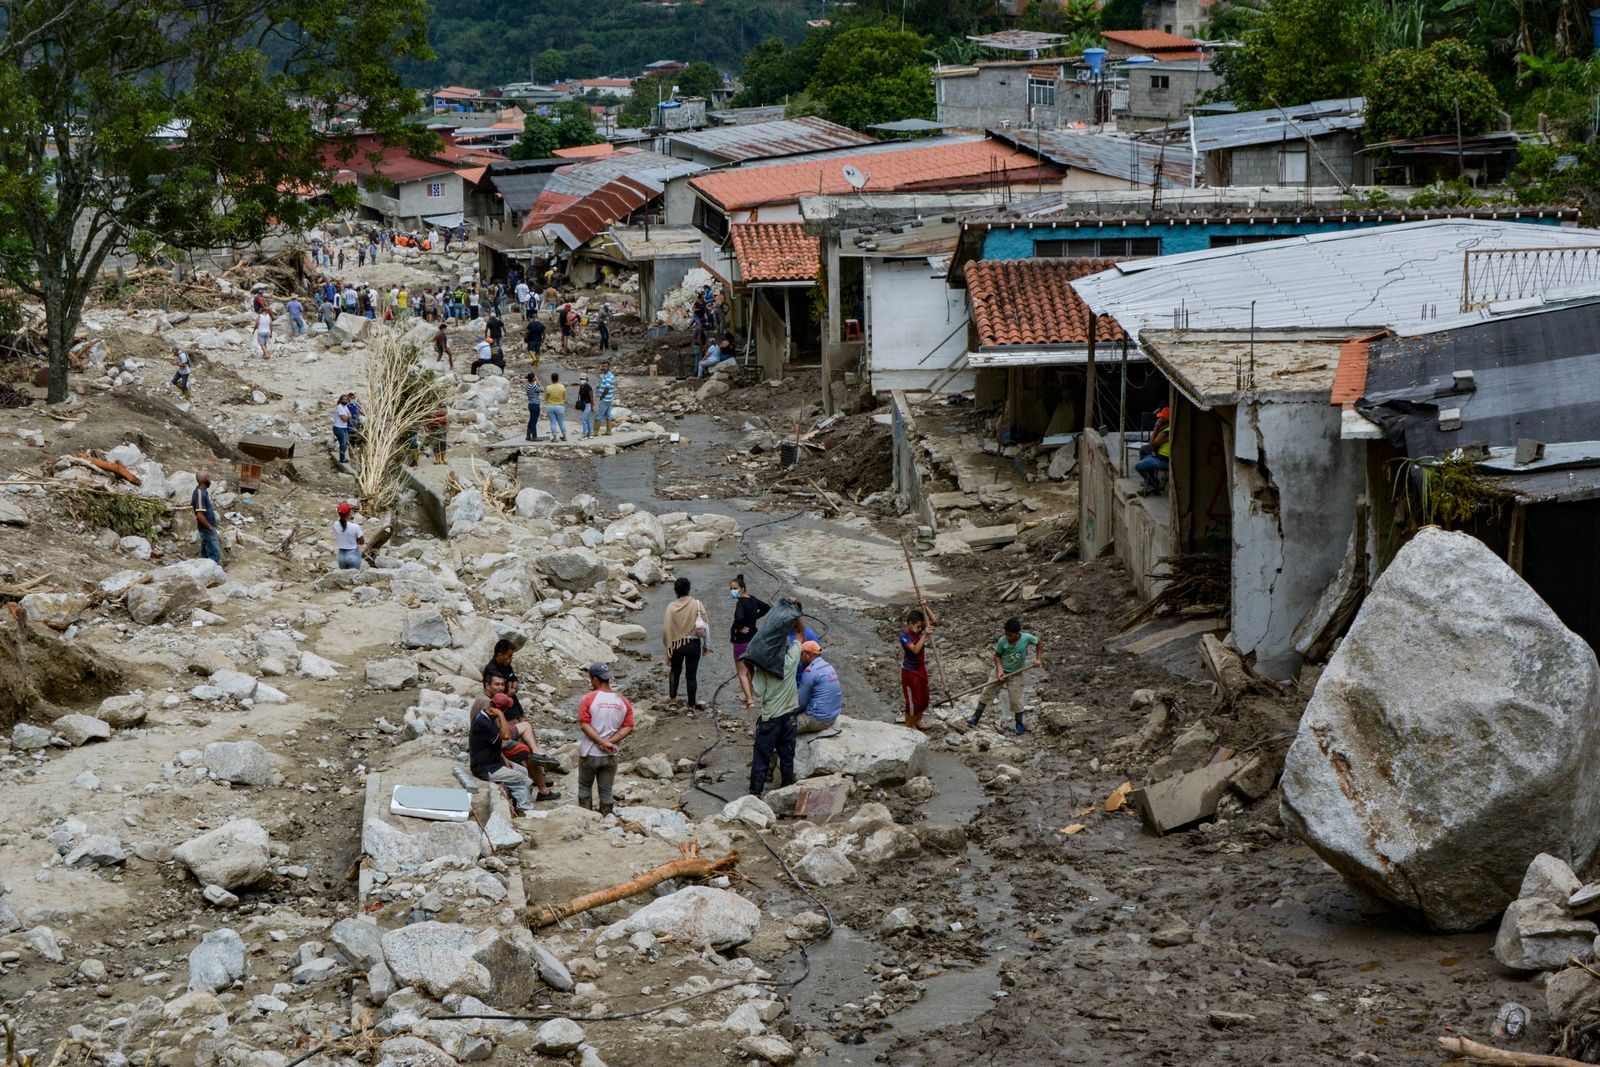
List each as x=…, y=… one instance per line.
x=819, y=692
x=487, y=759
x=1155, y=457
x=606, y=718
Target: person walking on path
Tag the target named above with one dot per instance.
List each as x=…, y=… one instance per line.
x=535, y=393
x=1010, y=659
x=180, y=377
x=586, y=405
x=684, y=632
x=264, y=331
x=297, y=316
x=607, y=395
x=342, y=420
x=487, y=759
x=347, y=539
x=205, y=518
x=606, y=719
x=778, y=700
x=441, y=347
x=438, y=431
x=604, y=320
x=914, y=666
x=555, y=408
x=569, y=328
x=533, y=337
x=747, y=611
x=821, y=695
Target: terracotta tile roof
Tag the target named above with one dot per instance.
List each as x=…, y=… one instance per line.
x=1029, y=302
x=587, y=151
x=1350, y=380
x=1151, y=40
x=775, y=251
x=935, y=167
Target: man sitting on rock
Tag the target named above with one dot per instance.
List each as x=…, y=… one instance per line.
x=820, y=694
x=520, y=744
x=488, y=761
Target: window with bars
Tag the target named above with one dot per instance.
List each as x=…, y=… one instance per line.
x=1098, y=248
x=1041, y=92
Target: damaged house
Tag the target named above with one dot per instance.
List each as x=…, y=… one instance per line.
x=1262, y=470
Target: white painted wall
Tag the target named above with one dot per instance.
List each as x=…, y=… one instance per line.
x=910, y=314
x=414, y=201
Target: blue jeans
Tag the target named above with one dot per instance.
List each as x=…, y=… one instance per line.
x=774, y=736
x=604, y=414
x=533, y=422
x=297, y=325
x=1151, y=468
x=210, y=546
x=587, y=414
x=349, y=559
x=558, y=421
x=344, y=442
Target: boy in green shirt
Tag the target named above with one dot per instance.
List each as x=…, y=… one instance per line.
x=1010, y=657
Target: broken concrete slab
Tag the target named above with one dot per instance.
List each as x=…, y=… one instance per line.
x=812, y=798
x=1182, y=801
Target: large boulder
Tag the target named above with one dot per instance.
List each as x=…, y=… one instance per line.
x=169, y=594
x=577, y=569
x=424, y=628
x=695, y=915
x=871, y=752
x=1449, y=740
x=567, y=637
x=234, y=854
x=58, y=610
x=217, y=961
x=436, y=958
x=639, y=530
x=534, y=503
x=81, y=729
x=238, y=763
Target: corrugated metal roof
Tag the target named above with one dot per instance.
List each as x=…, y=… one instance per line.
x=770, y=140
x=1241, y=128
x=1107, y=154
x=1535, y=376
x=620, y=177
x=1379, y=276
x=575, y=224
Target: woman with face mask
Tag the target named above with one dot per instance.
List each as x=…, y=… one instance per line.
x=747, y=611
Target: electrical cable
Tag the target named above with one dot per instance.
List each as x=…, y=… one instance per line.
x=699, y=762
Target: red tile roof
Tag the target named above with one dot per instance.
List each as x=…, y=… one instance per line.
x=586, y=151
x=775, y=251
x=1029, y=302
x=1350, y=380
x=1151, y=40
x=938, y=166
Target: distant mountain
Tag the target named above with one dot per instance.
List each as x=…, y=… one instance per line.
x=485, y=43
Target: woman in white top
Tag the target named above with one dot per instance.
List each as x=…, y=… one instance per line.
x=347, y=539
x=264, y=330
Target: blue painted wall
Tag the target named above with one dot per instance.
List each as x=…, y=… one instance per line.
x=1175, y=237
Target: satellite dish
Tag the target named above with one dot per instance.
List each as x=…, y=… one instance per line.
x=856, y=179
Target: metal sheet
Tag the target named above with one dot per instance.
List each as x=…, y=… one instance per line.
x=771, y=140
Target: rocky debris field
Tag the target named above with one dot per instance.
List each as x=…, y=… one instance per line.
x=199, y=863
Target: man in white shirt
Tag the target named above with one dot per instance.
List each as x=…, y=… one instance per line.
x=605, y=717
x=523, y=292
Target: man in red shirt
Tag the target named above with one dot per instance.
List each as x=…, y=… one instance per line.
x=606, y=718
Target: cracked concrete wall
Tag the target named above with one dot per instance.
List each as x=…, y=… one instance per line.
x=1294, y=486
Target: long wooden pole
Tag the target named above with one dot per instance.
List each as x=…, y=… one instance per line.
x=692, y=865
x=1480, y=1053
x=932, y=619
x=1004, y=677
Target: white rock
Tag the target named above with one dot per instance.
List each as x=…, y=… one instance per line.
x=750, y=810
x=238, y=762
x=233, y=855
x=567, y=637
x=81, y=729
x=433, y=957
x=217, y=961
x=235, y=685
x=425, y=628
x=391, y=674
x=1445, y=745
x=870, y=751
x=693, y=915
x=557, y=1037
x=314, y=666
x=534, y=503
x=123, y=711
x=574, y=569
x=638, y=530
x=825, y=866
x=100, y=850
x=59, y=610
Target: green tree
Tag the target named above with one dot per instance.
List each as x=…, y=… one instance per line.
x=550, y=66
x=586, y=61
x=697, y=79
x=88, y=86
x=1298, y=51
x=1567, y=173
x=873, y=74
x=1416, y=92
x=539, y=139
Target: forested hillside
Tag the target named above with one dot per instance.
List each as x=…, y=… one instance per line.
x=490, y=42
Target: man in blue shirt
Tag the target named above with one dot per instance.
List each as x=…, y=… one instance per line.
x=821, y=696
x=606, y=395
x=205, y=517
x=297, y=315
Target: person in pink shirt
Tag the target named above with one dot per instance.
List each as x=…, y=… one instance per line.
x=606, y=718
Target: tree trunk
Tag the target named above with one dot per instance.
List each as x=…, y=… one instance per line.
x=60, y=326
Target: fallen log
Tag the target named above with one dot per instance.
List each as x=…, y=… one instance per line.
x=1499, y=1057
x=110, y=466
x=691, y=865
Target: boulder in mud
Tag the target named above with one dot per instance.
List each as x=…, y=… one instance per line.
x=694, y=915
x=234, y=854
x=873, y=753
x=574, y=569
x=1450, y=739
